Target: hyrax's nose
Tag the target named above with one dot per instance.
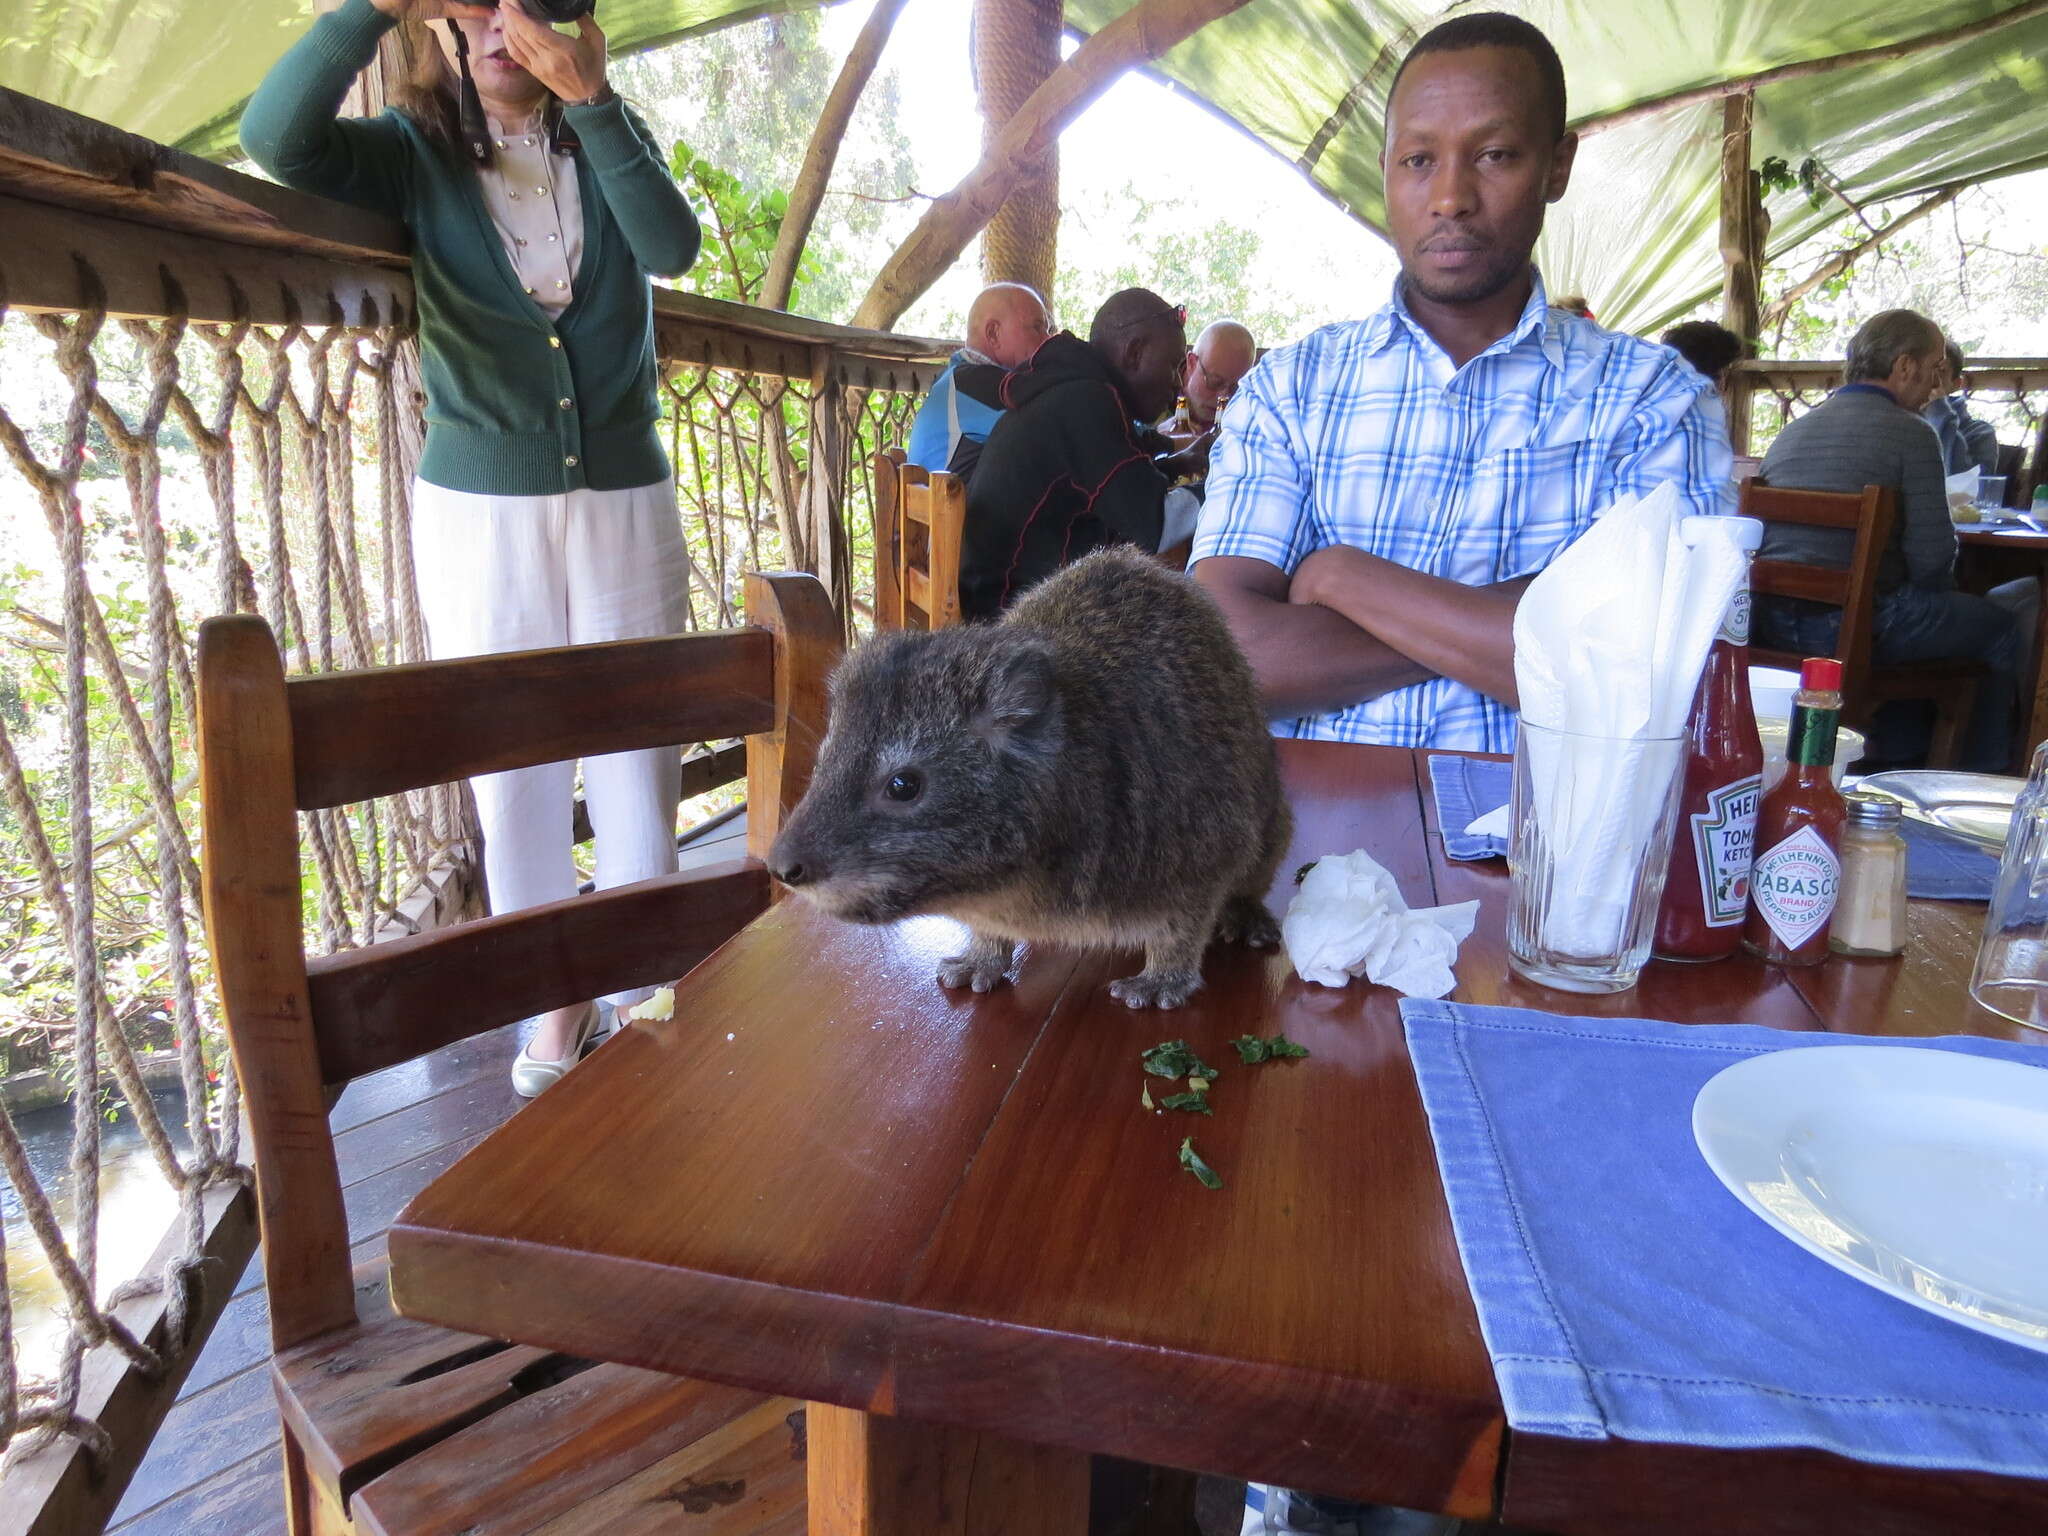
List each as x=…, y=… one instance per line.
x=786, y=862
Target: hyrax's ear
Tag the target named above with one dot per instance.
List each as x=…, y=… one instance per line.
x=1021, y=704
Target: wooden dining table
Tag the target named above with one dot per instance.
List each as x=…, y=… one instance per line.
x=1993, y=553
x=948, y=1222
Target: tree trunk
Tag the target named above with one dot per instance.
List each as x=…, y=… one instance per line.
x=1144, y=32
x=816, y=173
x=1016, y=48
x=1740, y=256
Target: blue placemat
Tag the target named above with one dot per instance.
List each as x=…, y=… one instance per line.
x=1625, y=1293
x=1466, y=789
x=1941, y=866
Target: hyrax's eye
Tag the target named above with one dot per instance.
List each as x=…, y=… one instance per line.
x=905, y=786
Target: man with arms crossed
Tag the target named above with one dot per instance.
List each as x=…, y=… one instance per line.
x=1381, y=492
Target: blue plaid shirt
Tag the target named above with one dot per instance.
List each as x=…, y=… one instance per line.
x=1364, y=434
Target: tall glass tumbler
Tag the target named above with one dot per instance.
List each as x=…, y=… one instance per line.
x=1589, y=838
x=2012, y=962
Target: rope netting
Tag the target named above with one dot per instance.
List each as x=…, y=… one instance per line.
x=183, y=469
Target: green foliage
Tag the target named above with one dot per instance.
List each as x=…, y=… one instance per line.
x=741, y=224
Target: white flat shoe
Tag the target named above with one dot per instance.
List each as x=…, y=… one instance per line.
x=531, y=1077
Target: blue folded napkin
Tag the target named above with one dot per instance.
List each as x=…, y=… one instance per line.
x=1941, y=866
x=1466, y=789
x=1625, y=1293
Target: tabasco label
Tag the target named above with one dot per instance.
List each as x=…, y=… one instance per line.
x=1794, y=885
x=1724, y=842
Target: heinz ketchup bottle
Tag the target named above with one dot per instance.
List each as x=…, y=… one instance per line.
x=1798, y=831
x=1706, y=893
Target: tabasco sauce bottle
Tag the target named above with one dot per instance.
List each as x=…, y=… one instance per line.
x=1707, y=892
x=1798, y=831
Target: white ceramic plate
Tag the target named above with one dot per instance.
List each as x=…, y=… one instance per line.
x=1921, y=1172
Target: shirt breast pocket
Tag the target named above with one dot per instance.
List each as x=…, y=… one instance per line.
x=1527, y=503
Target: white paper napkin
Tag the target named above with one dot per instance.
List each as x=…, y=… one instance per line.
x=1348, y=919
x=1609, y=643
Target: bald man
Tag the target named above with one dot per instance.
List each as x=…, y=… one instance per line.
x=1222, y=355
x=1006, y=324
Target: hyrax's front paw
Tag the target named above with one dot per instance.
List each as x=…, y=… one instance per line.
x=1156, y=989
x=1245, y=920
x=983, y=967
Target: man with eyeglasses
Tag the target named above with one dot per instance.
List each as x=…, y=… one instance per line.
x=1220, y=357
x=1065, y=469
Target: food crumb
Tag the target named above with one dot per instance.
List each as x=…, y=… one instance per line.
x=731, y=1036
x=662, y=1005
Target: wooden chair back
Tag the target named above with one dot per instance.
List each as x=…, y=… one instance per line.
x=919, y=519
x=272, y=746
x=1867, y=516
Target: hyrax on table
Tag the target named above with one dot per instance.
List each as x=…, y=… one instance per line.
x=1092, y=769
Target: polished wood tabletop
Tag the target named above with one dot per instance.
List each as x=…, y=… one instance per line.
x=827, y=1177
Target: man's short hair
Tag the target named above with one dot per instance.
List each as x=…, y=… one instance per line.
x=1955, y=359
x=1710, y=348
x=1884, y=338
x=1123, y=311
x=1495, y=29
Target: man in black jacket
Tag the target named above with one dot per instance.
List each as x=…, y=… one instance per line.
x=1065, y=471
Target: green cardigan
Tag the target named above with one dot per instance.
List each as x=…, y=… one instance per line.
x=518, y=403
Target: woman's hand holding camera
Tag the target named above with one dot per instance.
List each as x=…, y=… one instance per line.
x=571, y=67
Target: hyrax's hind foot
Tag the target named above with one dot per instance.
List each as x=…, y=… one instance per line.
x=1245, y=920
x=983, y=967
x=1156, y=989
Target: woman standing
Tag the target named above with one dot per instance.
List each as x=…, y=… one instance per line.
x=544, y=513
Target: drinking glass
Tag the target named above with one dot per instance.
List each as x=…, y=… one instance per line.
x=1589, y=836
x=2012, y=962
x=1990, y=491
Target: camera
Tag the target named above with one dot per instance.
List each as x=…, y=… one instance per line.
x=554, y=12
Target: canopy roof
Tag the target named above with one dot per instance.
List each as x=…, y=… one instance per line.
x=178, y=71
x=1637, y=233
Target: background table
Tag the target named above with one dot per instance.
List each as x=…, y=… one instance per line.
x=827, y=1177
x=1989, y=556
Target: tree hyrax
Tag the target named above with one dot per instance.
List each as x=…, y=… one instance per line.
x=1092, y=769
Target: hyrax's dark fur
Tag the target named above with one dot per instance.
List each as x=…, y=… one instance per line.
x=1092, y=769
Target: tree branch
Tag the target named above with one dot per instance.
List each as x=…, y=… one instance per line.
x=1800, y=69
x=823, y=152
x=1144, y=32
x=1841, y=261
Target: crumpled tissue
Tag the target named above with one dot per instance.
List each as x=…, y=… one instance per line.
x=1348, y=919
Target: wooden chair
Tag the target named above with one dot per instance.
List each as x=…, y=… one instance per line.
x=1949, y=685
x=390, y=1425
x=919, y=518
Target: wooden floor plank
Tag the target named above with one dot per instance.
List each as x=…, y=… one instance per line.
x=392, y=1140
x=453, y=1066
x=203, y=1435
x=246, y=1499
x=373, y=1204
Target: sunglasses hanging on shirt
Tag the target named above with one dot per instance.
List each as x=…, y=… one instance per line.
x=472, y=125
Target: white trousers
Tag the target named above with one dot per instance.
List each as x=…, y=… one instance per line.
x=515, y=573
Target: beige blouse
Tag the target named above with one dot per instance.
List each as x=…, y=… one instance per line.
x=538, y=208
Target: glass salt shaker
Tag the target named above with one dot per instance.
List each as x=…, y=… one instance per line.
x=1870, y=911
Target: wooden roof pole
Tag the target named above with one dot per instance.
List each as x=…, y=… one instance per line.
x=815, y=175
x=1016, y=48
x=1801, y=68
x=1144, y=32
x=1741, y=251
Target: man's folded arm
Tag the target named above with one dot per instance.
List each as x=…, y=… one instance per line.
x=1444, y=628
x=1308, y=660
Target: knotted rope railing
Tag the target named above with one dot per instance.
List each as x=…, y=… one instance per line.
x=267, y=469
x=292, y=399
